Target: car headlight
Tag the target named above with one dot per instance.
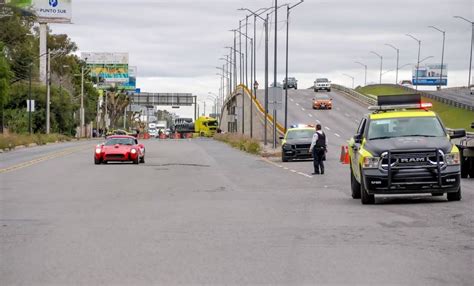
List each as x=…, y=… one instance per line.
x=133, y=151
x=286, y=147
x=98, y=150
x=371, y=162
x=453, y=159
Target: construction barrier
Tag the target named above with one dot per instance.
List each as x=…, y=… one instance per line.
x=146, y=136
x=189, y=135
x=162, y=136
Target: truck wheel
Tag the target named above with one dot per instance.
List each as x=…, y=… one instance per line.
x=315, y=90
x=284, y=159
x=470, y=165
x=365, y=197
x=355, y=187
x=464, y=166
x=455, y=196
x=329, y=90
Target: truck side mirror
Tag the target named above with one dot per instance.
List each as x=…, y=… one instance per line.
x=281, y=137
x=358, y=138
x=457, y=133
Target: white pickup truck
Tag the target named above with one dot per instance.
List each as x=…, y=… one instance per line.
x=322, y=84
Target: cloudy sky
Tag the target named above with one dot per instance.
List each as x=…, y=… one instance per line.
x=176, y=45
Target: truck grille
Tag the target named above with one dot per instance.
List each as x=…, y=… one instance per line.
x=412, y=159
x=302, y=146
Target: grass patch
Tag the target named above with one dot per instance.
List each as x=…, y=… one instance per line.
x=451, y=116
x=10, y=141
x=240, y=142
x=381, y=90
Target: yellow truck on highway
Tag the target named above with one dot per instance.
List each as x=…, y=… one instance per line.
x=205, y=126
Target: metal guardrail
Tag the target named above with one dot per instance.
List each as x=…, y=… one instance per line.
x=367, y=99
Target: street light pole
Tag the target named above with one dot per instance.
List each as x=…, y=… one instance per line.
x=48, y=92
x=442, y=55
x=398, y=57
x=381, y=62
x=351, y=78
x=472, y=42
x=418, y=61
x=82, y=103
x=288, y=8
x=365, y=68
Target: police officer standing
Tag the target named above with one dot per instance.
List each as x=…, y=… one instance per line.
x=319, y=149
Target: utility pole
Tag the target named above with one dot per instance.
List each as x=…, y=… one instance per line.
x=275, y=74
x=30, y=102
x=398, y=57
x=82, y=104
x=48, y=92
x=266, y=79
x=288, y=8
x=246, y=51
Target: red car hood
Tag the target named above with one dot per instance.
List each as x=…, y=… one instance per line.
x=118, y=149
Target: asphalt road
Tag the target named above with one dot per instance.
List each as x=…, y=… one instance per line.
x=457, y=94
x=200, y=212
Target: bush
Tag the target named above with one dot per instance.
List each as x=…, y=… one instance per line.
x=240, y=142
x=10, y=141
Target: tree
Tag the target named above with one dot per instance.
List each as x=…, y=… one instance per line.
x=5, y=76
x=117, y=102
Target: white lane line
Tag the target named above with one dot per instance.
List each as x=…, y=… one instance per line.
x=297, y=104
x=293, y=171
x=310, y=115
x=337, y=135
x=317, y=120
x=356, y=121
x=327, y=128
x=303, y=174
x=286, y=168
x=347, y=114
x=302, y=109
x=291, y=99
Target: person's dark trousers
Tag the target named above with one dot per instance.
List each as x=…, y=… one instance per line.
x=318, y=154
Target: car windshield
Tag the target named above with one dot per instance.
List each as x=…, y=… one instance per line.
x=405, y=127
x=322, y=97
x=211, y=123
x=300, y=134
x=119, y=141
x=322, y=80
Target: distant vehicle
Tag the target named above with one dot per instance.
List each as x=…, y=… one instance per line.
x=183, y=126
x=403, y=148
x=161, y=125
x=205, y=126
x=322, y=84
x=472, y=89
x=120, y=148
x=466, y=150
x=292, y=83
x=296, y=142
x=406, y=83
x=152, y=130
x=322, y=101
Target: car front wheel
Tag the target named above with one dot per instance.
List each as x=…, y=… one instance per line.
x=355, y=187
x=97, y=161
x=365, y=197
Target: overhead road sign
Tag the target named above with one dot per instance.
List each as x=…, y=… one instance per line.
x=163, y=99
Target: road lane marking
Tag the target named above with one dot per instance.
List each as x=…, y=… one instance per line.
x=310, y=115
x=317, y=120
x=294, y=171
x=327, y=128
x=303, y=174
x=285, y=168
x=347, y=114
x=337, y=135
x=50, y=156
x=297, y=104
x=302, y=109
x=291, y=99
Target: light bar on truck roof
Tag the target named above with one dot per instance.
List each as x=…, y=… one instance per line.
x=423, y=105
x=302, y=126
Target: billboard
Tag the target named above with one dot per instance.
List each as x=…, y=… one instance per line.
x=107, y=68
x=47, y=11
x=430, y=75
x=132, y=79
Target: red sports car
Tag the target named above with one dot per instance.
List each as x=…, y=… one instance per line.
x=120, y=148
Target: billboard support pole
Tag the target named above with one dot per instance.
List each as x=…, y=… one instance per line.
x=43, y=43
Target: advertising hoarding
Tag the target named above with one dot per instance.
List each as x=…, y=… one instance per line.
x=430, y=75
x=107, y=68
x=47, y=11
x=132, y=79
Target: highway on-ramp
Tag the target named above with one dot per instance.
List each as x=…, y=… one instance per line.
x=200, y=212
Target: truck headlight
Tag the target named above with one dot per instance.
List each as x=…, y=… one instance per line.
x=453, y=159
x=371, y=162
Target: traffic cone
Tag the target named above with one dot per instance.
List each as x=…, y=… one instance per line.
x=347, y=160
x=343, y=154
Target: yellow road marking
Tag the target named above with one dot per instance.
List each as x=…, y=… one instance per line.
x=44, y=158
x=285, y=168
